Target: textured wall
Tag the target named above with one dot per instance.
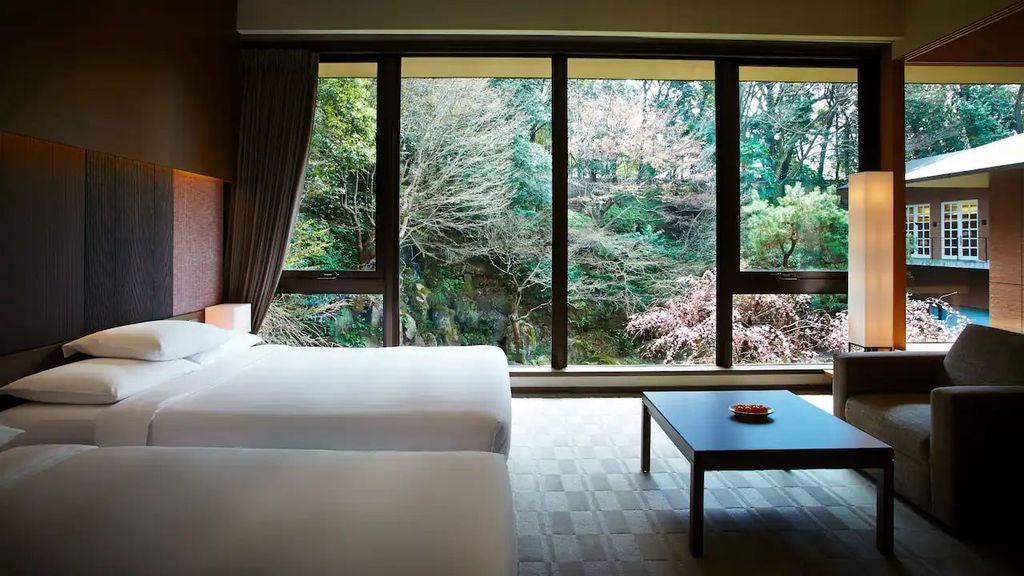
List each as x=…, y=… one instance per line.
x=198, y=242
x=42, y=227
x=89, y=240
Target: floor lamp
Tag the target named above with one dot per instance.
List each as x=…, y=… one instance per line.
x=871, y=261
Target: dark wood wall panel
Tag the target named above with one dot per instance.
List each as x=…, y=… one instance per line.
x=41, y=254
x=129, y=223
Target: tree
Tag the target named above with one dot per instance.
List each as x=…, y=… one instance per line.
x=943, y=118
x=767, y=328
x=801, y=229
x=456, y=166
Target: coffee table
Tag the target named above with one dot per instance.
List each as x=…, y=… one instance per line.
x=797, y=435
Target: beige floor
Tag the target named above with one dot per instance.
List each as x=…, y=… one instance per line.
x=582, y=507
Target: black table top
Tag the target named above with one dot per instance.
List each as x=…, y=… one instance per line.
x=705, y=424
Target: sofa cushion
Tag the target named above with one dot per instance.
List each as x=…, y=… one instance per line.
x=903, y=421
x=983, y=356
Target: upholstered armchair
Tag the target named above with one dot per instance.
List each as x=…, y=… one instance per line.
x=955, y=421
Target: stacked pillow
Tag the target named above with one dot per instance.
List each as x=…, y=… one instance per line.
x=129, y=359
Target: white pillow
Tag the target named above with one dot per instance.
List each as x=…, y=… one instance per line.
x=96, y=380
x=8, y=434
x=157, y=340
x=239, y=341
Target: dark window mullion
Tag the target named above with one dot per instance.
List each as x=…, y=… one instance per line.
x=389, y=86
x=559, y=212
x=727, y=199
x=312, y=285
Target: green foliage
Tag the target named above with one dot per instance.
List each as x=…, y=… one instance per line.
x=801, y=230
x=338, y=203
x=943, y=118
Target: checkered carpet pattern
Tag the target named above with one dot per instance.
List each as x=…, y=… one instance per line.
x=584, y=508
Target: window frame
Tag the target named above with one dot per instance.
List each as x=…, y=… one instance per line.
x=960, y=251
x=727, y=56
x=919, y=233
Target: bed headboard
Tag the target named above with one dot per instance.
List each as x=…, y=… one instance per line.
x=97, y=241
x=21, y=364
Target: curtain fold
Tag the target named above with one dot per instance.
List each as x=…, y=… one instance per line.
x=278, y=97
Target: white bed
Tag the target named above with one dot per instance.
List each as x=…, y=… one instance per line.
x=405, y=398
x=137, y=510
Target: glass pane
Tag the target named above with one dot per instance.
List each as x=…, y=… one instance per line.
x=475, y=208
x=788, y=328
x=798, y=146
x=641, y=212
x=350, y=320
x=949, y=286
x=336, y=224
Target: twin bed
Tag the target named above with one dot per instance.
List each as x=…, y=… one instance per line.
x=271, y=460
x=282, y=397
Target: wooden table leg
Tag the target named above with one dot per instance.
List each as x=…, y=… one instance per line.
x=645, y=439
x=696, y=511
x=884, y=511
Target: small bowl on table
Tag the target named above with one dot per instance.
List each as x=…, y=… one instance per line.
x=753, y=412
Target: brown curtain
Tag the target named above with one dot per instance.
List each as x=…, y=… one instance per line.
x=278, y=96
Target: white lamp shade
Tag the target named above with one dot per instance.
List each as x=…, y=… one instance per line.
x=237, y=317
x=871, y=259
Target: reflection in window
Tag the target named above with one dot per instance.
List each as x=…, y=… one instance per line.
x=641, y=215
x=350, y=320
x=798, y=146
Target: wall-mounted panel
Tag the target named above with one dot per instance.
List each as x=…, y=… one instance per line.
x=41, y=254
x=198, y=241
x=129, y=220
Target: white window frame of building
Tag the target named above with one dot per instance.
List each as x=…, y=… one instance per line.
x=960, y=230
x=919, y=222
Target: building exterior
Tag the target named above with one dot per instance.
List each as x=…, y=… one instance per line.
x=963, y=230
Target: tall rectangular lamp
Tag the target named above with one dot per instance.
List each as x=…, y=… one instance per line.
x=871, y=261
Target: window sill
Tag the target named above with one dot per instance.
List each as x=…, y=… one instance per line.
x=805, y=377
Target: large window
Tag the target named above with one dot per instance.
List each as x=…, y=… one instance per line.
x=475, y=205
x=798, y=146
x=799, y=143
x=334, y=237
x=919, y=232
x=578, y=210
x=641, y=212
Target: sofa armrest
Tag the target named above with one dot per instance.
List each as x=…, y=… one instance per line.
x=881, y=372
x=976, y=439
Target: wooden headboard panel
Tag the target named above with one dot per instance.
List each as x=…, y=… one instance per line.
x=92, y=240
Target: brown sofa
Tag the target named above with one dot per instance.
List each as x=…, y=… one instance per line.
x=955, y=421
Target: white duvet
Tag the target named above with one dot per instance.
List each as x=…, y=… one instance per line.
x=217, y=511
x=406, y=398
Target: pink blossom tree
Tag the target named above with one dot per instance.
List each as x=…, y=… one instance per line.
x=767, y=328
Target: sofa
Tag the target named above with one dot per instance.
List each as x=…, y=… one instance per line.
x=955, y=420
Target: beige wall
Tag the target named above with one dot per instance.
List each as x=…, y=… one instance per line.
x=151, y=81
x=1006, y=300
x=794, y=19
